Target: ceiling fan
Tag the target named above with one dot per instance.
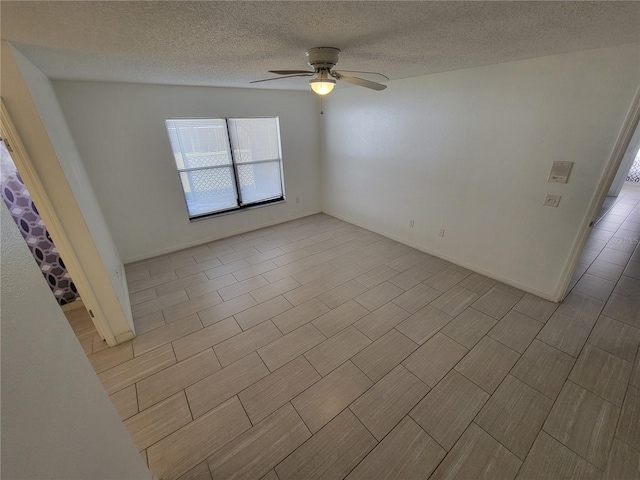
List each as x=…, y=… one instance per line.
x=322, y=60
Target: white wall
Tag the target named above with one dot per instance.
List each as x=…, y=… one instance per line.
x=120, y=132
x=470, y=151
x=36, y=114
x=57, y=421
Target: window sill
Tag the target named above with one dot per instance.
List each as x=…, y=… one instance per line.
x=237, y=210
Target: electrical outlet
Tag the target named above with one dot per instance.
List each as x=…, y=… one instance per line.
x=441, y=232
x=552, y=200
x=297, y=199
x=411, y=223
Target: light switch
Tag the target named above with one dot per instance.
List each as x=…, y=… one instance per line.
x=552, y=200
x=560, y=172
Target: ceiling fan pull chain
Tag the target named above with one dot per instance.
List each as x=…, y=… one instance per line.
x=321, y=112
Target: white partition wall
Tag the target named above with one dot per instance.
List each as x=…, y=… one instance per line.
x=57, y=421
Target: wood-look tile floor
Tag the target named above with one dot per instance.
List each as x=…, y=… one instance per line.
x=317, y=349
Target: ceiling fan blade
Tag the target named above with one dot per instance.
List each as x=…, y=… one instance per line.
x=280, y=78
x=290, y=72
x=362, y=82
x=360, y=71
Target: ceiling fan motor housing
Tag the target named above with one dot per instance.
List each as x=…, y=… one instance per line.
x=323, y=58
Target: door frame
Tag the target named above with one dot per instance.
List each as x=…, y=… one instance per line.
x=39, y=195
x=631, y=123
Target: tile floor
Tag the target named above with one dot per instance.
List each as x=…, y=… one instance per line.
x=317, y=349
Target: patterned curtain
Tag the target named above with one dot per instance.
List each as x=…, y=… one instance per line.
x=24, y=212
x=634, y=174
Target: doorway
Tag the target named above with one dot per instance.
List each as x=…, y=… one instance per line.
x=614, y=232
x=26, y=216
x=100, y=284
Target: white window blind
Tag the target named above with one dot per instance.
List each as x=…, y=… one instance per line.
x=227, y=164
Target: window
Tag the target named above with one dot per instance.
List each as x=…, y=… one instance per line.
x=227, y=164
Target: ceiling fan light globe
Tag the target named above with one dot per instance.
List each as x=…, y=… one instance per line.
x=322, y=86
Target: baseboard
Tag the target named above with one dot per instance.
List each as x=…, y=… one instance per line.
x=468, y=266
x=455, y=261
x=183, y=246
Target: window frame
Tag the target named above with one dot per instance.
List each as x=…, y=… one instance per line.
x=234, y=169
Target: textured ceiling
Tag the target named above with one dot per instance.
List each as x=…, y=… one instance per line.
x=231, y=43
